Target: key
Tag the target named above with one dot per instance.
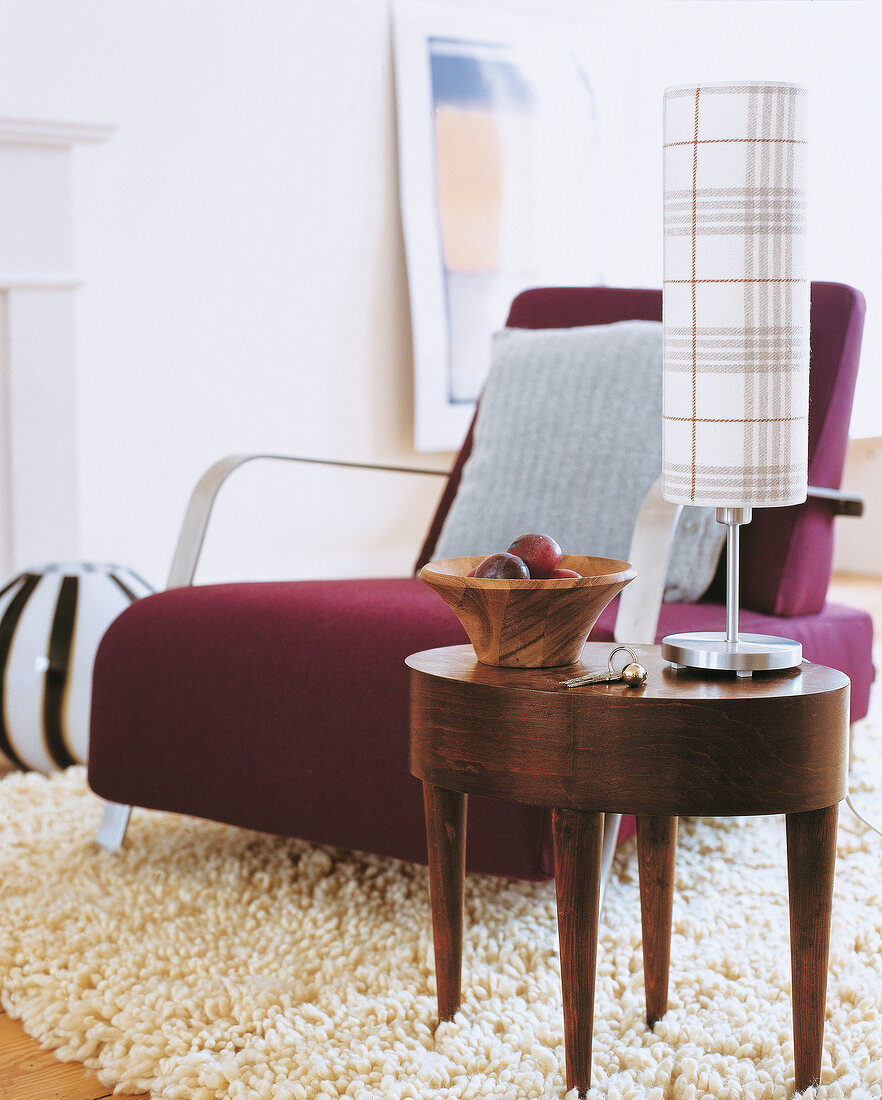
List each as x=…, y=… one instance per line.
x=632, y=674
x=594, y=678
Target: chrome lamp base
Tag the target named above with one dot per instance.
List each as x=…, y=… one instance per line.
x=750, y=653
x=733, y=652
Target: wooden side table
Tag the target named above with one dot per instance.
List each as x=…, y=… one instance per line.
x=683, y=744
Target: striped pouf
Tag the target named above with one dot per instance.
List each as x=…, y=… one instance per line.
x=51, y=621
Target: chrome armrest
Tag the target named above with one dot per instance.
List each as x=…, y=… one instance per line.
x=842, y=503
x=640, y=602
x=198, y=513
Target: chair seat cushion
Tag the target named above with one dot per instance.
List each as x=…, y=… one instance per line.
x=282, y=707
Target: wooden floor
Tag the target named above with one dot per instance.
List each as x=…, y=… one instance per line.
x=29, y=1073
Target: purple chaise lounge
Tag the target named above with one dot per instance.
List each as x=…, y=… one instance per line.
x=282, y=706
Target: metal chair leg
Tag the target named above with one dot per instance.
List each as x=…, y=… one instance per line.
x=611, y=823
x=112, y=830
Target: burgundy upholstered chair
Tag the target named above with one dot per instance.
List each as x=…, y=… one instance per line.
x=225, y=701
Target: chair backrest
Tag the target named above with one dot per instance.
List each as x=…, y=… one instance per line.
x=786, y=553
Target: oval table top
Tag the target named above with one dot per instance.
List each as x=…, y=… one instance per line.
x=685, y=743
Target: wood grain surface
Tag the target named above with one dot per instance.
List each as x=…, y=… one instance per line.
x=683, y=744
x=656, y=850
x=528, y=623
x=446, y=835
x=27, y=1072
x=811, y=857
x=578, y=842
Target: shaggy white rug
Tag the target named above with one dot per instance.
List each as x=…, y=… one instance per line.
x=204, y=962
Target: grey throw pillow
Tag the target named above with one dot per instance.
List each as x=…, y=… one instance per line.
x=567, y=443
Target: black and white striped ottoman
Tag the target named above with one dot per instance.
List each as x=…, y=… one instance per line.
x=51, y=621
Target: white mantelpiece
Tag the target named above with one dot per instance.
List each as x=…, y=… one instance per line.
x=38, y=477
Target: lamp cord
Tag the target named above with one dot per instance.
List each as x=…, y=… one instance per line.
x=860, y=817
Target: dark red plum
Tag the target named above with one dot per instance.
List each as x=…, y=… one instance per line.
x=540, y=552
x=503, y=567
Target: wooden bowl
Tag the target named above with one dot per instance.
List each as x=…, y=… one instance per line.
x=528, y=623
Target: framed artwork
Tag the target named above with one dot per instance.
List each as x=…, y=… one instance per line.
x=496, y=134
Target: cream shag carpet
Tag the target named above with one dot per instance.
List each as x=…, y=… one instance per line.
x=205, y=962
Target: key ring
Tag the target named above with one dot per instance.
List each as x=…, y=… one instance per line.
x=622, y=649
x=632, y=674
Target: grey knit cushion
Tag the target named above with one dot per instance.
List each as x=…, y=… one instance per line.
x=567, y=443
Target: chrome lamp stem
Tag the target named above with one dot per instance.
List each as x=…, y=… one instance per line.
x=733, y=518
x=743, y=654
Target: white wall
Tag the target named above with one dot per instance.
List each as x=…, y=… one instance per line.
x=239, y=242
x=831, y=46
x=858, y=541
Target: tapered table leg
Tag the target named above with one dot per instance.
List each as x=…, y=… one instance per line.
x=811, y=855
x=578, y=845
x=656, y=851
x=446, y=835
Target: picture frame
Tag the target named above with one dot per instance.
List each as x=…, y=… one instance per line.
x=498, y=183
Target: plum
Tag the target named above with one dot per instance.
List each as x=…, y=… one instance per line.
x=541, y=553
x=503, y=566
x=562, y=574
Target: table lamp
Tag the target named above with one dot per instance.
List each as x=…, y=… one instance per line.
x=736, y=327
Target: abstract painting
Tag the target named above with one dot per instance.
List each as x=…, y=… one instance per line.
x=497, y=158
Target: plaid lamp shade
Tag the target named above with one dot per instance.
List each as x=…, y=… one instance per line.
x=736, y=295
